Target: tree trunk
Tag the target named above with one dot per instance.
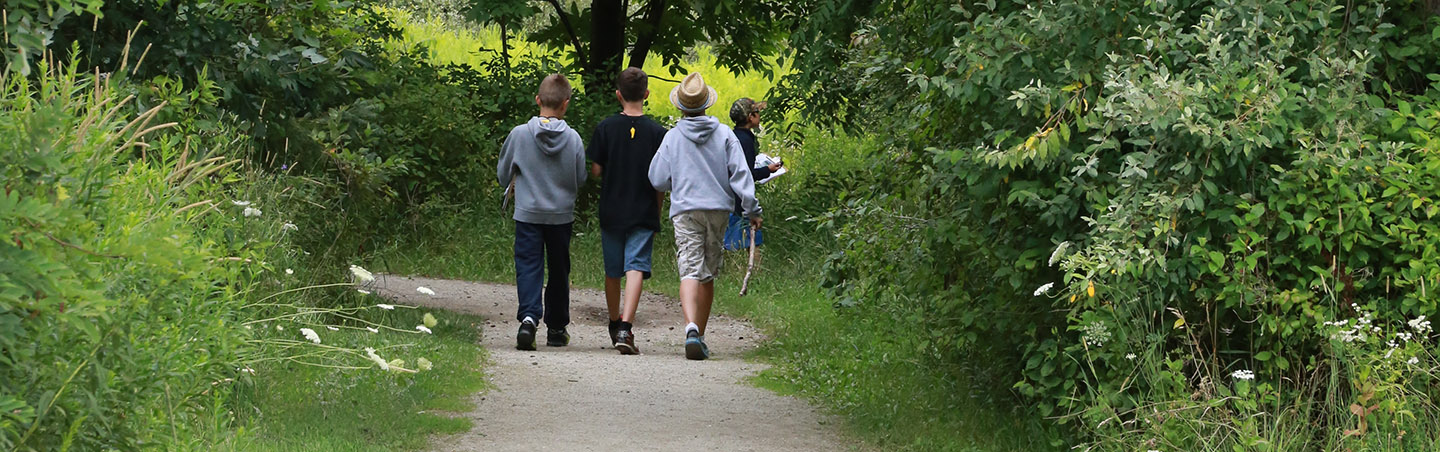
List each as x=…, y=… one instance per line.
x=607, y=44
x=654, y=13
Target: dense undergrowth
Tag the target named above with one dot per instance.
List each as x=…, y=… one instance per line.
x=1134, y=225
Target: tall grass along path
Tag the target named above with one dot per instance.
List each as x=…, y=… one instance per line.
x=588, y=397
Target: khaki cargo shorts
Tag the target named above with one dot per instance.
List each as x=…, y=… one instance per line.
x=698, y=250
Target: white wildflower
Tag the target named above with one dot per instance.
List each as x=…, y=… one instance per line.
x=423, y=329
x=251, y=212
x=425, y=290
x=363, y=291
x=310, y=334
x=387, y=307
x=289, y=227
x=331, y=328
x=279, y=328
x=1058, y=253
x=241, y=203
x=1420, y=325
x=246, y=369
x=289, y=271
x=1413, y=360
x=1242, y=375
x=361, y=275
x=424, y=364
x=370, y=353
x=1096, y=334
x=372, y=330
x=1043, y=289
x=1130, y=356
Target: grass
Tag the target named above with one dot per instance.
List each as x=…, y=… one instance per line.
x=307, y=408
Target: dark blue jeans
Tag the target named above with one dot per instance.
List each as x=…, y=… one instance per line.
x=534, y=245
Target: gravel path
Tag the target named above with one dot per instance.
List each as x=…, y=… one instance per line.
x=588, y=397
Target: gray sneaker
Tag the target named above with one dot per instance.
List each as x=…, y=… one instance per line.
x=695, y=348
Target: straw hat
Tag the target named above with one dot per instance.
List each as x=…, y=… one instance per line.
x=692, y=95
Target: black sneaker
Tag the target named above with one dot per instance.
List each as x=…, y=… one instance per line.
x=614, y=330
x=625, y=343
x=525, y=339
x=695, y=346
x=557, y=338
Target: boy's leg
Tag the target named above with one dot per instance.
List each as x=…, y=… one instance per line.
x=557, y=290
x=703, y=304
x=639, y=245
x=634, y=281
x=529, y=271
x=612, y=249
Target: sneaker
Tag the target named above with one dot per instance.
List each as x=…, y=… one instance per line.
x=525, y=339
x=557, y=338
x=695, y=346
x=625, y=343
x=614, y=330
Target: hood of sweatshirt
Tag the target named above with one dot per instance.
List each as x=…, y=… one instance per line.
x=698, y=129
x=549, y=134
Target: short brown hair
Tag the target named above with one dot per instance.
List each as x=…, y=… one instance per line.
x=554, y=90
x=632, y=84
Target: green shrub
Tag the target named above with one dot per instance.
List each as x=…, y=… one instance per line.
x=1135, y=210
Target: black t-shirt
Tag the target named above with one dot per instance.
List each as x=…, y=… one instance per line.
x=749, y=145
x=623, y=146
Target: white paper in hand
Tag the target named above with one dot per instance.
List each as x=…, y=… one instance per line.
x=763, y=160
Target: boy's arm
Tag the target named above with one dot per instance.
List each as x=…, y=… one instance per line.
x=740, y=178
x=505, y=168
x=660, y=169
x=596, y=152
x=580, y=173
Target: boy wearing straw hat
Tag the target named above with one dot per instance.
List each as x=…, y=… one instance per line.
x=701, y=164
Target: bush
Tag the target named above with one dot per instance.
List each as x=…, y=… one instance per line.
x=1161, y=216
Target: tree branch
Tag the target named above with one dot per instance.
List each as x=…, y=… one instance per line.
x=654, y=14
x=574, y=38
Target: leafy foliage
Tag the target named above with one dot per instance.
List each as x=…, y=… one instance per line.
x=1212, y=186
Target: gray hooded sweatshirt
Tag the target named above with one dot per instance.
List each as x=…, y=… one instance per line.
x=546, y=160
x=702, y=166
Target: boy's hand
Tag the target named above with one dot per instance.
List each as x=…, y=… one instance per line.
x=774, y=167
x=755, y=223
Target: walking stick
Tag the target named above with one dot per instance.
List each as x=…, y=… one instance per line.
x=745, y=285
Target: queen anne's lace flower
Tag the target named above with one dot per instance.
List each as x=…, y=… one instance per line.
x=1058, y=253
x=331, y=328
x=1243, y=375
x=361, y=275
x=364, y=292
x=241, y=203
x=251, y=212
x=424, y=364
x=423, y=329
x=1420, y=325
x=310, y=335
x=372, y=329
x=387, y=307
x=289, y=227
x=425, y=290
x=1096, y=334
x=370, y=353
x=1043, y=289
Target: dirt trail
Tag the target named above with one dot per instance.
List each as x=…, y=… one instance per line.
x=587, y=397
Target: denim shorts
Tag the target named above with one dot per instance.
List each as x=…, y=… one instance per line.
x=626, y=252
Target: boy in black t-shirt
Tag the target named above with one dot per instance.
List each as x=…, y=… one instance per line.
x=620, y=153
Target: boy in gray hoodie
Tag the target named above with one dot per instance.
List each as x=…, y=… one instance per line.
x=545, y=161
x=701, y=164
